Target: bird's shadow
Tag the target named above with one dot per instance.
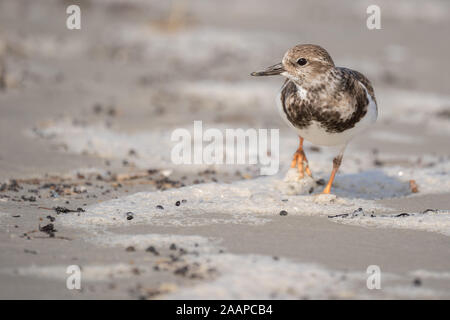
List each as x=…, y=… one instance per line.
x=370, y=185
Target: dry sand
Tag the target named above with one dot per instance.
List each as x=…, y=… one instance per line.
x=85, y=122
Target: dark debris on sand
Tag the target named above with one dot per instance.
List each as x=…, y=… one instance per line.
x=60, y=210
x=12, y=185
x=153, y=250
x=48, y=229
x=360, y=212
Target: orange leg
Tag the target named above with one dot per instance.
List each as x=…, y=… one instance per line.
x=336, y=163
x=300, y=161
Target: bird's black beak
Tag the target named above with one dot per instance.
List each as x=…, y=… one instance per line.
x=270, y=71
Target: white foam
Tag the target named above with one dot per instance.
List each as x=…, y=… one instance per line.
x=255, y=201
x=262, y=277
x=247, y=202
x=426, y=274
x=142, y=241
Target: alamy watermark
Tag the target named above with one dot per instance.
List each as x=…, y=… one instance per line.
x=374, y=278
x=73, y=281
x=73, y=21
x=374, y=19
x=233, y=146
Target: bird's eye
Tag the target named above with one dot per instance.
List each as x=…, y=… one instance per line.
x=301, y=61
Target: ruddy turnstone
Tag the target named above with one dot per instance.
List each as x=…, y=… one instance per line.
x=324, y=104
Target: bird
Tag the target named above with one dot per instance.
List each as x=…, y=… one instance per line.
x=325, y=104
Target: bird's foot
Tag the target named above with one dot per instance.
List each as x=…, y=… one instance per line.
x=301, y=162
x=327, y=189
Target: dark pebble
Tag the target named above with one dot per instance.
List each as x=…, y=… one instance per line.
x=129, y=215
x=59, y=210
x=177, y=203
x=130, y=249
x=173, y=246
x=417, y=282
x=283, y=213
x=152, y=250
x=160, y=207
x=31, y=198
x=48, y=229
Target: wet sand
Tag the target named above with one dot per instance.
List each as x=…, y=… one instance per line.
x=61, y=81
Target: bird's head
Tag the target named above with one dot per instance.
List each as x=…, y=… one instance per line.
x=304, y=63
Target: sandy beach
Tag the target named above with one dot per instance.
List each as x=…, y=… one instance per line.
x=86, y=176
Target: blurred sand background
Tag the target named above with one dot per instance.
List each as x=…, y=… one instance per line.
x=85, y=114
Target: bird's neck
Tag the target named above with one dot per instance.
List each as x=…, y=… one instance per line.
x=321, y=82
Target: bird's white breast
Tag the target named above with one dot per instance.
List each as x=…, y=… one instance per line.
x=317, y=134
